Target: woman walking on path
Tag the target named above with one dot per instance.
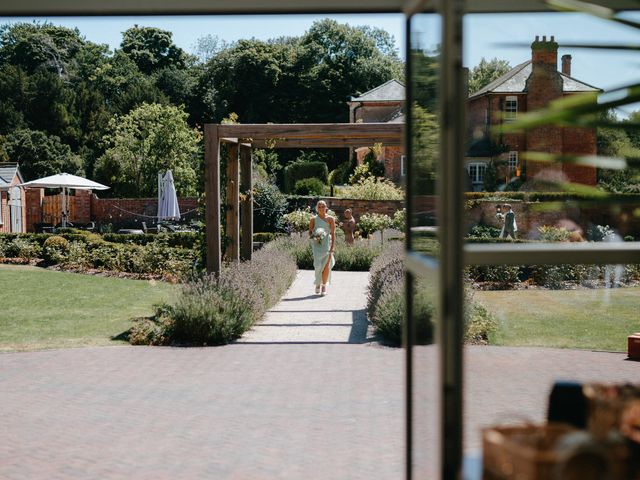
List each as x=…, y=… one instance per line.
x=322, y=233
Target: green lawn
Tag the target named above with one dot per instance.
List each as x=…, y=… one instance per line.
x=596, y=319
x=46, y=309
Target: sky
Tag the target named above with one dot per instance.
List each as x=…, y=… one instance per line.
x=504, y=36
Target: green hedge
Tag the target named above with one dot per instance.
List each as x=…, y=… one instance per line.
x=301, y=170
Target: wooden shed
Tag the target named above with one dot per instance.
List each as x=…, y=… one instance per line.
x=12, y=199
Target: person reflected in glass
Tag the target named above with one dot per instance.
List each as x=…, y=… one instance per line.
x=508, y=219
x=348, y=226
x=322, y=234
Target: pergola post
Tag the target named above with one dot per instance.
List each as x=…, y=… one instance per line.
x=246, y=207
x=232, y=230
x=212, y=197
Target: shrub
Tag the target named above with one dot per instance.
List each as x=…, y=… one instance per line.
x=500, y=276
x=600, y=233
x=386, y=299
x=373, y=222
x=263, y=237
x=340, y=175
x=553, y=234
x=77, y=255
x=371, y=188
x=22, y=247
x=480, y=323
x=360, y=173
x=214, y=310
x=298, y=220
x=55, y=249
x=304, y=169
x=308, y=186
x=399, y=221
x=269, y=204
x=480, y=231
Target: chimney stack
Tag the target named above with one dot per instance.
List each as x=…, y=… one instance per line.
x=545, y=52
x=566, y=65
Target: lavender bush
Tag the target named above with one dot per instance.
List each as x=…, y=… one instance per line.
x=215, y=310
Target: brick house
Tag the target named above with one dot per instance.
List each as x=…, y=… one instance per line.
x=526, y=87
x=384, y=103
x=12, y=199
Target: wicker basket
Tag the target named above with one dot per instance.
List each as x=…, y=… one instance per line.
x=521, y=451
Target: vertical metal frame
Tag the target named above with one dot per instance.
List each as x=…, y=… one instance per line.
x=407, y=334
x=450, y=219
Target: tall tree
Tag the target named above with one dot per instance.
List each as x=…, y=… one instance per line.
x=150, y=139
x=339, y=61
x=486, y=72
x=39, y=154
x=152, y=48
x=35, y=46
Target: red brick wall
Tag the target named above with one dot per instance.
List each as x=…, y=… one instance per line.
x=391, y=158
x=116, y=210
x=531, y=215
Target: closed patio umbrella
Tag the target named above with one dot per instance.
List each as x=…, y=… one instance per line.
x=168, y=208
x=65, y=181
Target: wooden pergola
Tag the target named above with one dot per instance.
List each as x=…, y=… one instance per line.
x=241, y=139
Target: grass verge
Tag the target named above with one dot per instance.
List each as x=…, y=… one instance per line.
x=598, y=319
x=43, y=309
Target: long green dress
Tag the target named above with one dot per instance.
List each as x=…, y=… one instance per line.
x=321, y=249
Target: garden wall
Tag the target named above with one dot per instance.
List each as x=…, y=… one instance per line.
x=425, y=204
x=624, y=218
x=134, y=210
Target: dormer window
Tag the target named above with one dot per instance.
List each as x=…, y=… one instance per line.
x=510, y=108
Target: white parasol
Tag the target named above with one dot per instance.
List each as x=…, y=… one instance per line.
x=168, y=208
x=65, y=181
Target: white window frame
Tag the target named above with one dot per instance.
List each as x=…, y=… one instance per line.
x=513, y=161
x=478, y=177
x=510, y=108
x=1, y=216
x=403, y=165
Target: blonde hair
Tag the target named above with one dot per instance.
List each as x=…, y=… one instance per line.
x=320, y=202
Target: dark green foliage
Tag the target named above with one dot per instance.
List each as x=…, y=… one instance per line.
x=340, y=175
x=486, y=72
x=500, y=277
x=308, y=186
x=40, y=154
x=178, y=239
x=269, y=204
x=152, y=49
x=301, y=170
x=484, y=231
x=263, y=237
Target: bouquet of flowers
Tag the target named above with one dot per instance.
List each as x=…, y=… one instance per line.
x=319, y=234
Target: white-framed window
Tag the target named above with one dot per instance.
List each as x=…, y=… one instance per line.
x=403, y=165
x=0, y=208
x=513, y=160
x=511, y=108
x=476, y=172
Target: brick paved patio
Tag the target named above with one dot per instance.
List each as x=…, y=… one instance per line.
x=262, y=410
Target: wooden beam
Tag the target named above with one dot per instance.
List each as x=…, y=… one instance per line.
x=212, y=197
x=246, y=206
x=232, y=230
x=329, y=131
x=324, y=143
